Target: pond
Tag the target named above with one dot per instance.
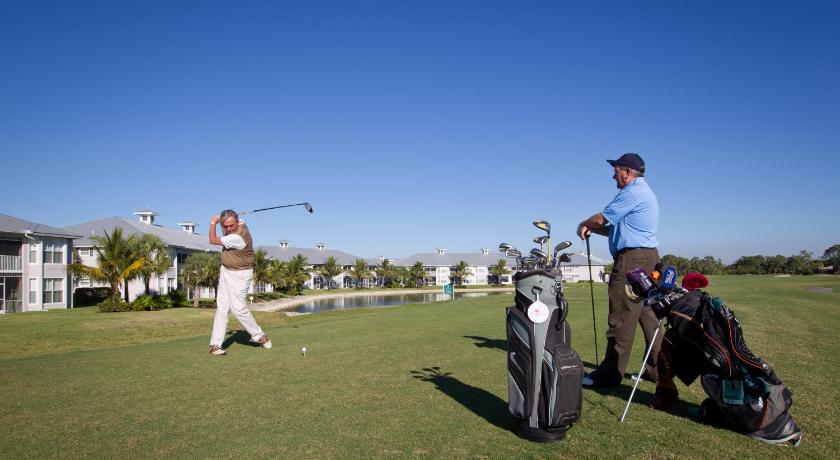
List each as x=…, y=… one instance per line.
x=384, y=300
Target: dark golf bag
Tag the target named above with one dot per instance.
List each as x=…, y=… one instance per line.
x=744, y=392
x=544, y=373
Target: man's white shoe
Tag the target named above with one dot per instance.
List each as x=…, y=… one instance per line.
x=217, y=350
x=264, y=341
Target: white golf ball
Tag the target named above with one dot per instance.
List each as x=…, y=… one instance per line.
x=303, y=350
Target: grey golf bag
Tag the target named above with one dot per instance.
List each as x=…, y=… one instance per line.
x=545, y=374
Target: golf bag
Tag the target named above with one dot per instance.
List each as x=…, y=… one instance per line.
x=745, y=394
x=544, y=373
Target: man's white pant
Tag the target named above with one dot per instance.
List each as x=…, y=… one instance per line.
x=233, y=288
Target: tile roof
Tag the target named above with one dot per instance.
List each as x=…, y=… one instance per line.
x=11, y=224
x=313, y=256
x=172, y=236
x=433, y=259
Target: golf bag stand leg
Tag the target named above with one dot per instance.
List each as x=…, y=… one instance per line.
x=641, y=370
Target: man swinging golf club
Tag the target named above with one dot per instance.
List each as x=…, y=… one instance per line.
x=235, y=277
x=630, y=222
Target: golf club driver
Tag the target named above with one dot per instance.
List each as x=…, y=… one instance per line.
x=306, y=206
x=546, y=227
x=505, y=246
x=592, y=296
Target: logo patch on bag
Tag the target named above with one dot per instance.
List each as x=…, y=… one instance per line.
x=538, y=311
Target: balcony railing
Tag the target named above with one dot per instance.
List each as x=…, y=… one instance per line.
x=10, y=264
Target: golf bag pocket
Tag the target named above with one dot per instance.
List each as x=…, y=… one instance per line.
x=761, y=414
x=562, y=383
x=519, y=364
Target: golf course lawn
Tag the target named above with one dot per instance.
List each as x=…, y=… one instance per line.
x=424, y=380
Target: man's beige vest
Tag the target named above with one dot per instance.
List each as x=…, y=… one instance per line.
x=239, y=259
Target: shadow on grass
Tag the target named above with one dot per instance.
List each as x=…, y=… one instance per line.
x=240, y=337
x=481, y=402
x=682, y=408
x=484, y=342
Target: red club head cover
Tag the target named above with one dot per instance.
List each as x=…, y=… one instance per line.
x=694, y=280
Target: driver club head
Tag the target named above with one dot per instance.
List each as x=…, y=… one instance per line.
x=308, y=207
x=543, y=225
x=505, y=246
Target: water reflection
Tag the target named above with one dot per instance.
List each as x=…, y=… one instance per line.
x=385, y=300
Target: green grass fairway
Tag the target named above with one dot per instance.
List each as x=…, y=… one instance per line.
x=424, y=380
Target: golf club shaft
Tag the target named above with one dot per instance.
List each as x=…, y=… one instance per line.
x=641, y=370
x=592, y=296
x=274, y=207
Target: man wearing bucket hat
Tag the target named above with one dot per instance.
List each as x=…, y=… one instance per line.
x=630, y=223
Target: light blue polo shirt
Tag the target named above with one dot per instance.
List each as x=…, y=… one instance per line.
x=633, y=216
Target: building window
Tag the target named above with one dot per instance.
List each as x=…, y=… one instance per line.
x=33, y=291
x=52, y=290
x=33, y=253
x=53, y=253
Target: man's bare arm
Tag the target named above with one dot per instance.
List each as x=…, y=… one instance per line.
x=212, y=232
x=596, y=224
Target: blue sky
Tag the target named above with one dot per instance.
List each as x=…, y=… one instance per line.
x=416, y=125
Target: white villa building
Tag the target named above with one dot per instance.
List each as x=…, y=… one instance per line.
x=315, y=257
x=33, y=266
x=181, y=241
x=578, y=270
x=439, y=265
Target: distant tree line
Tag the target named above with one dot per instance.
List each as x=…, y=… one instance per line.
x=803, y=263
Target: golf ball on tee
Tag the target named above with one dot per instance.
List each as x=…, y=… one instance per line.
x=303, y=350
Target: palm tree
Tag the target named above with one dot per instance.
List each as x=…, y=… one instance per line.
x=117, y=262
x=276, y=274
x=290, y=276
x=156, y=255
x=296, y=274
x=499, y=270
x=385, y=271
x=402, y=276
x=360, y=271
x=330, y=269
x=417, y=274
x=261, y=265
x=460, y=272
x=200, y=269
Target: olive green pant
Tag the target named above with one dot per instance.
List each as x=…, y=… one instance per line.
x=624, y=314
